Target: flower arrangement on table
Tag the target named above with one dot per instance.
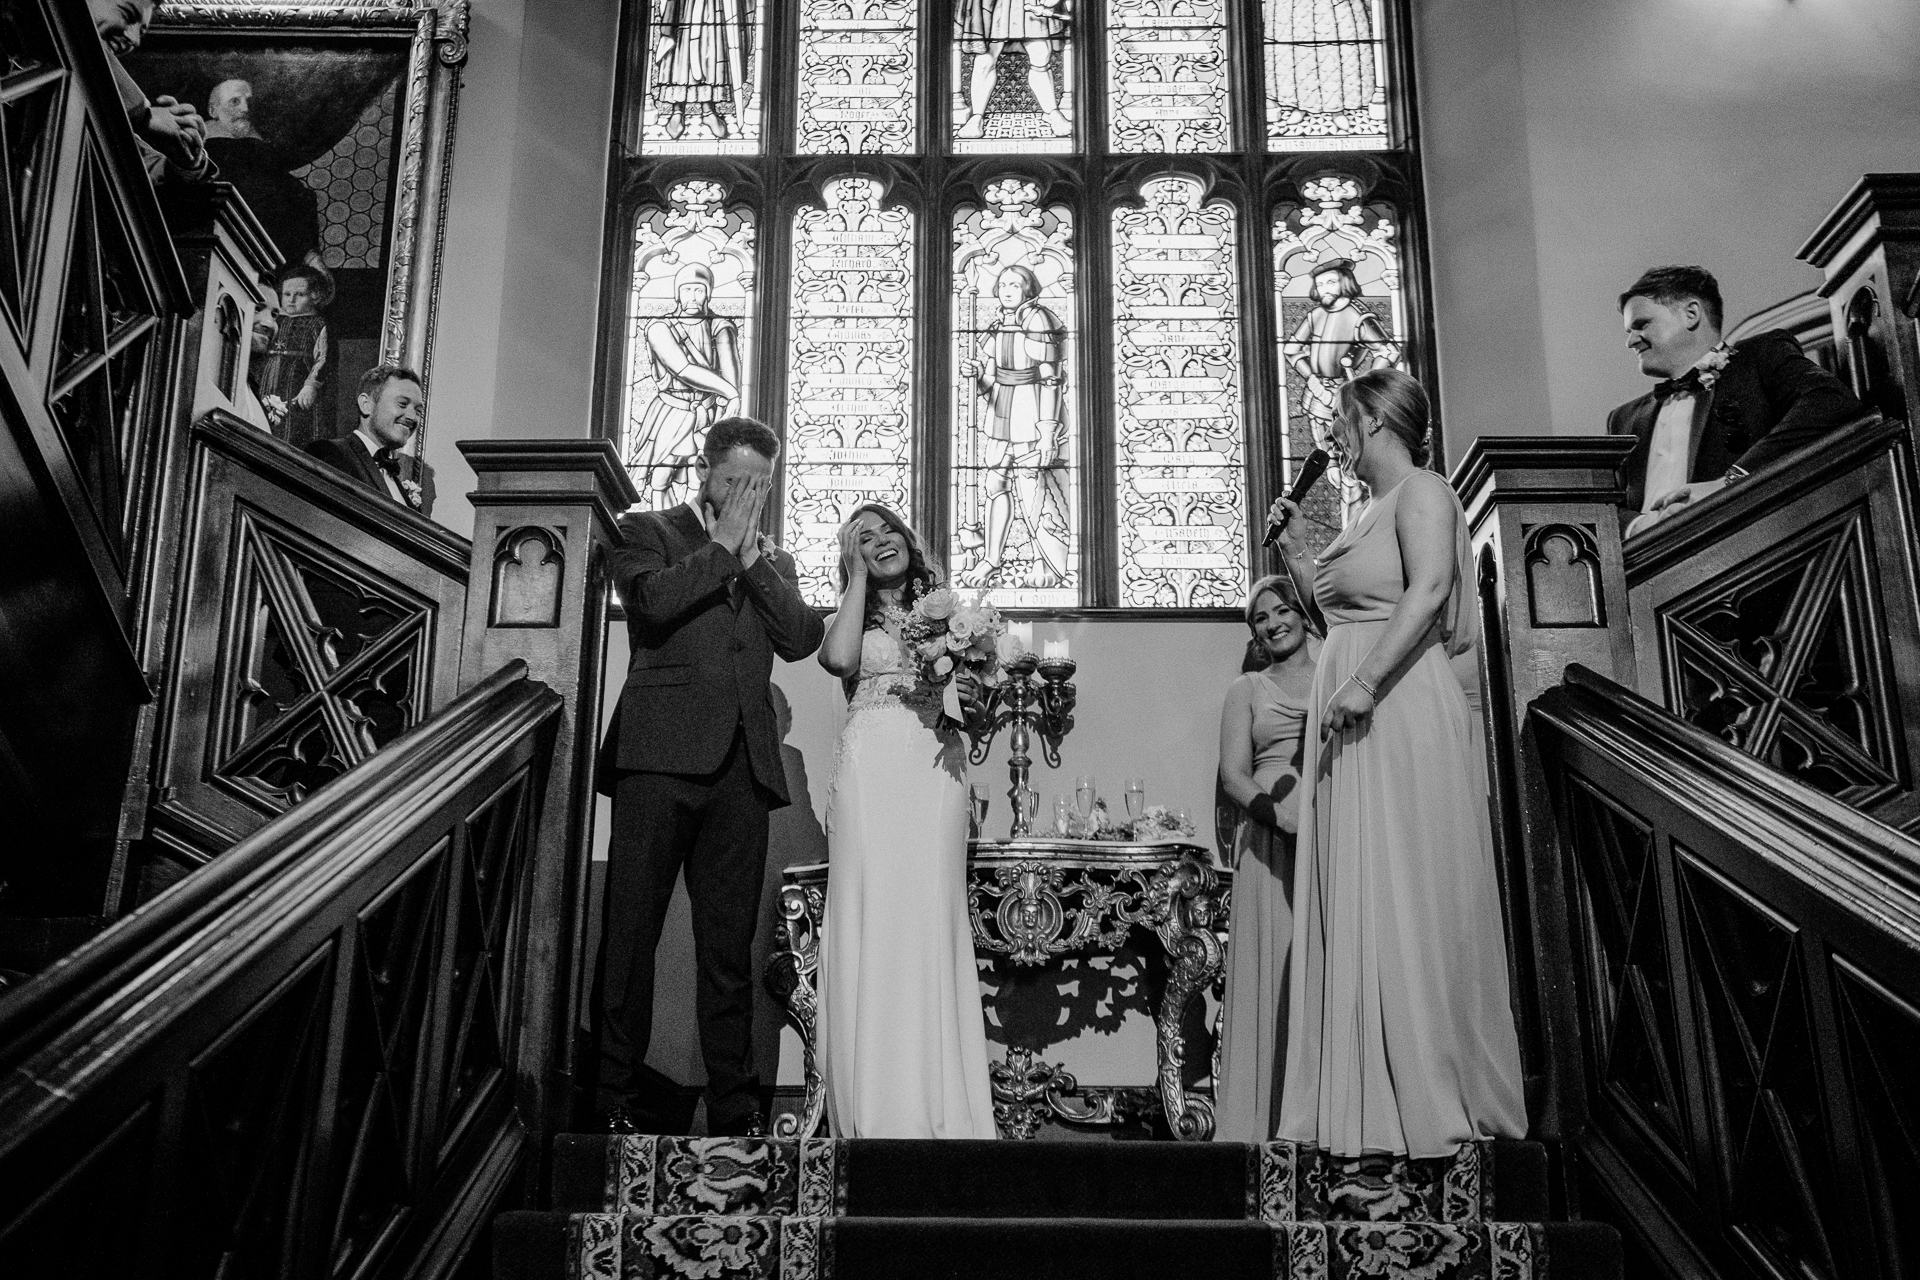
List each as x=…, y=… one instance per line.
x=946, y=635
x=1156, y=822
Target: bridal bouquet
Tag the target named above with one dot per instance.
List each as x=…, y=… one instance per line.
x=944, y=634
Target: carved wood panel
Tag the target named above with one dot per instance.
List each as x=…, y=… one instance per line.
x=1788, y=623
x=326, y=1091
x=1750, y=1003
x=318, y=624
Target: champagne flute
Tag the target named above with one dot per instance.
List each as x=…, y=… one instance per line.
x=1062, y=816
x=977, y=809
x=1136, y=798
x=1083, y=798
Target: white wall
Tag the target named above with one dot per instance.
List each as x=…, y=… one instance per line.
x=520, y=277
x=1568, y=144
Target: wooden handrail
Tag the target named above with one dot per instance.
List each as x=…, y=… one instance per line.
x=334, y=1006
x=1759, y=495
x=1745, y=968
x=1866, y=866
x=487, y=716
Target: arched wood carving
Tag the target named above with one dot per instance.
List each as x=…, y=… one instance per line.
x=529, y=565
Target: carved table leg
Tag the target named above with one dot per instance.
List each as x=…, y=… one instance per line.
x=791, y=977
x=1182, y=915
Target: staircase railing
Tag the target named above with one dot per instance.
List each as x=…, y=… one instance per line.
x=306, y=1060
x=1746, y=962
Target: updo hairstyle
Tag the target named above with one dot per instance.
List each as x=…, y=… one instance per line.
x=1398, y=402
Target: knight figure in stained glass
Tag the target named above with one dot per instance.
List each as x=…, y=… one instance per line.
x=700, y=85
x=1019, y=373
x=1335, y=342
x=690, y=314
x=696, y=366
x=994, y=39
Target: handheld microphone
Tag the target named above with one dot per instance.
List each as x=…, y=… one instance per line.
x=1310, y=472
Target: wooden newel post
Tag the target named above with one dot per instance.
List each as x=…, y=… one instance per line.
x=543, y=522
x=1544, y=520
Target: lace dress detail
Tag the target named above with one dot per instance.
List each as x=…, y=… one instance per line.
x=889, y=684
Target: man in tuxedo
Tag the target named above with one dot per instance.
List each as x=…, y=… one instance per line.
x=693, y=759
x=1719, y=410
x=391, y=405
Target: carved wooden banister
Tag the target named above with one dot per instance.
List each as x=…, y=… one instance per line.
x=1868, y=250
x=1747, y=973
x=1543, y=519
x=300, y=1062
x=543, y=525
x=311, y=622
x=1783, y=614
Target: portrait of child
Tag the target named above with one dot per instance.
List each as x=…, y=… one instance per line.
x=292, y=373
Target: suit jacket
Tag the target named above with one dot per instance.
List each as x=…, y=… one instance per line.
x=1767, y=402
x=704, y=632
x=350, y=457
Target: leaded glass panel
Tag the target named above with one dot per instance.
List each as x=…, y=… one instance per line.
x=1176, y=359
x=1167, y=75
x=703, y=76
x=1015, y=463
x=690, y=316
x=849, y=371
x=1336, y=270
x=858, y=67
x=1326, y=75
x=1013, y=85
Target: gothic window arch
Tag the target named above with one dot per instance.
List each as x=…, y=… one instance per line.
x=1071, y=284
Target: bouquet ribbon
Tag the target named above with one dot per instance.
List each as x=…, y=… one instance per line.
x=950, y=701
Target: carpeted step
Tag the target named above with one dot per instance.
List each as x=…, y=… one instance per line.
x=551, y=1246
x=1277, y=1182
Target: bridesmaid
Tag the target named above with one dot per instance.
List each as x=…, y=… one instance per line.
x=1400, y=1035
x=1260, y=749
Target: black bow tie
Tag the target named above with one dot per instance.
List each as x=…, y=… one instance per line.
x=388, y=461
x=1687, y=384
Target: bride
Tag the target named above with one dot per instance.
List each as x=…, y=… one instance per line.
x=903, y=1048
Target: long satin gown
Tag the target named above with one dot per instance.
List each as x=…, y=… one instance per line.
x=1253, y=1048
x=902, y=1044
x=1400, y=1032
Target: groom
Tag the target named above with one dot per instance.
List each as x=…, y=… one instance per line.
x=693, y=761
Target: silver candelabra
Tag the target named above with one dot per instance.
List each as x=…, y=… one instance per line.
x=1033, y=698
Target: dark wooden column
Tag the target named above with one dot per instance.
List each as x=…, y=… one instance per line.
x=1543, y=517
x=1869, y=250
x=543, y=522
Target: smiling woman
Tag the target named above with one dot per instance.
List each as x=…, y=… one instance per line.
x=1261, y=728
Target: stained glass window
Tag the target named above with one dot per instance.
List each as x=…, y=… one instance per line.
x=1167, y=75
x=849, y=372
x=1326, y=75
x=1176, y=360
x=1015, y=456
x=690, y=314
x=858, y=68
x=703, y=78
x=1013, y=85
x=1336, y=270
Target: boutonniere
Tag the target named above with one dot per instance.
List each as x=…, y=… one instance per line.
x=414, y=495
x=1713, y=364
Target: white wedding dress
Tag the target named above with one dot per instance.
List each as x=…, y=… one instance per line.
x=902, y=1045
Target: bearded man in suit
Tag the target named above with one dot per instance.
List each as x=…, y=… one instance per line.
x=392, y=404
x=693, y=761
x=1720, y=410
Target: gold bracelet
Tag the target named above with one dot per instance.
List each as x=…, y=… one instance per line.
x=1371, y=691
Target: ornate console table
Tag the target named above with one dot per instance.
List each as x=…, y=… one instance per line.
x=1033, y=901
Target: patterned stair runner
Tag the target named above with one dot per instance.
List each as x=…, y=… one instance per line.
x=635, y=1208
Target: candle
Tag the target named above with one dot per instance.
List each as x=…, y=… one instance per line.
x=1020, y=636
x=1057, y=648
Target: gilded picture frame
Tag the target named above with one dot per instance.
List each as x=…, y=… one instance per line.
x=403, y=63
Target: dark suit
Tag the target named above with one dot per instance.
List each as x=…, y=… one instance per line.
x=694, y=759
x=1768, y=401
x=348, y=455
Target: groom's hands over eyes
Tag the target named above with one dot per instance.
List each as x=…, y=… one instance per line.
x=736, y=524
